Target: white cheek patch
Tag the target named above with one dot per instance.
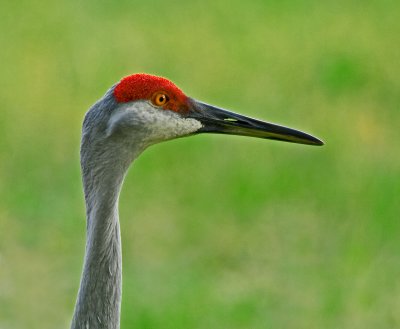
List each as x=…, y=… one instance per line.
x=159, y=124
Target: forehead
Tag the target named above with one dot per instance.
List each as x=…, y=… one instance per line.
x=143, y=86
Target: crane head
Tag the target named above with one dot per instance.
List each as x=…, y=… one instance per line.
x=146, y=109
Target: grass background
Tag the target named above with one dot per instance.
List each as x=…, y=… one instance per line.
x=218, y=232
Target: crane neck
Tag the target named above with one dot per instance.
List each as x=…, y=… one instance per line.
x=99, y=297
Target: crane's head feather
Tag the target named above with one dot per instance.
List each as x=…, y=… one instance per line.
x=159, y=91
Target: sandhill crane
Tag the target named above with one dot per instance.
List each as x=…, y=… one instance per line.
x=138, y=111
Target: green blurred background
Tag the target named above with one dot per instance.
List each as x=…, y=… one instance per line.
x=218, y=232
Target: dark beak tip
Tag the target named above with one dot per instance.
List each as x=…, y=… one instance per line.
x=319, y=143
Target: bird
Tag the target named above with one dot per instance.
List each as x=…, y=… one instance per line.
x=138, y=111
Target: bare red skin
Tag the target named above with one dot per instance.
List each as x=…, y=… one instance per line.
x=143, y=86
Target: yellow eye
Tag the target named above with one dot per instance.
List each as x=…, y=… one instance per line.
x=160, y=99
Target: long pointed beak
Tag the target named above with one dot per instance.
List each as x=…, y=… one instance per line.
x=220, y=121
